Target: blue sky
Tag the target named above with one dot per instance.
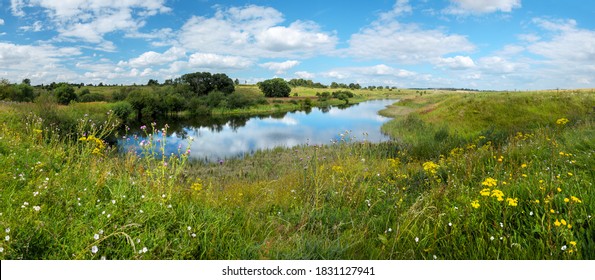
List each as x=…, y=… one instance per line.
x=483, y=44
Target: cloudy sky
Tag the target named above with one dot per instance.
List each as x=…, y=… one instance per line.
x=483, y=44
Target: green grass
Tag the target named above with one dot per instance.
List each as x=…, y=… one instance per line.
x=413, y=198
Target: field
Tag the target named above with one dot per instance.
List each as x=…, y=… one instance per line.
x=483, y=175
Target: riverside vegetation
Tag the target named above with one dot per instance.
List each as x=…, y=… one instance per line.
x=480, y=175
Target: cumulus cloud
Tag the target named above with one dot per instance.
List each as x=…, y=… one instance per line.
x=216, y=61
x=254, y=31
x=305, y=75
x=91, y=20
x=456, y=63
x=375, y=74
x=151, y=58
x=280, y=67
x=1, y=21
x=461, y=7
x=406, y=43
x=43, y=63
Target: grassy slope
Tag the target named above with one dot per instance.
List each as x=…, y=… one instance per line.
x=345, y=201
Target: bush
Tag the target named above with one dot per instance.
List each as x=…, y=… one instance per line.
x=91, y=97
x=122, y=110
x=65, y=93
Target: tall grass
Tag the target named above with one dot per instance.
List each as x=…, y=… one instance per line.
x=520, y=187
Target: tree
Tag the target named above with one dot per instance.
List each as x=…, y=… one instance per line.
x=222, y=83
x=153, y=82
x=27, y=81
x=65, y=93
x=276, y=87
x=199, y=82
x=237, y=82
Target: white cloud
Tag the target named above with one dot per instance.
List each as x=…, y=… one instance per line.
x=254, y=31
x=42, y=64
x=280, y=67
x=399, y=8
x=499, y=65
x=216, y=61
x=91, y=20
x=456, y=63
x=305, y=75
x=151, y=58
x=35, y=27
x=405, y=43
x=373, y=75
x=462, y=7
x=1, y=21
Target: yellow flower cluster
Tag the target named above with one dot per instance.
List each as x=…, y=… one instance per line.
x=430, y=167
x=562, y=121
x=475, y=204
x=512, y=201
x=521, y=136
x=490, y=182
x=337, y=169
x=197, y=186
x=394, y=163
x=99, y=144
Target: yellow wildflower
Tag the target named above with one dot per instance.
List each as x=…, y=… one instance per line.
x=563, y=222
x=498, y=194
x=537, y=201
x=569, y=226
x=559, y=189
x=566, y=200
x=570, y=174
x=475, y=204
x=430, y=167
x=197, y=186
x=572, y=243
x=485, y=192
x=512, y=201
x=575, y=199
x=562, y=121
x=337, y=169
x=490, y=182
x=552, y=211
x=524, y=165
x=557, y=223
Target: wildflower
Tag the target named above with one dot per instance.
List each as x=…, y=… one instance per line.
x=416, y=239
x=113, y=201
x=193, y=235
x=485, y=192
x=7, y=230
x=501, y=224
x=498, y=194
x=552, y=211
x=524, y=165
x=430, y=167
x=563, y=248
x=512, y=201
x=145, y=249
x=189, y=228
x=36, y=208
x=450, y=224
x=100, y=231
x=562, y=121
x=492, y=238
x=569, y=226
x=559, y=189
x=566, y=200
x=557, y=223
x=1, y=249
x=94, y=249
x=141, y=211
x=563, y=222
x=573, y=243
x=435, y=257
x=490, y=182
x=475, y=204
x=96, y=236
x=197, y=186
x=531, y=213
x=575, y=199
x=7, y=238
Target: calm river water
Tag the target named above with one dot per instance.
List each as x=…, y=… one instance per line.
x=227, y=137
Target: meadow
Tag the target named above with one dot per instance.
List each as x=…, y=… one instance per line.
x=469, y=175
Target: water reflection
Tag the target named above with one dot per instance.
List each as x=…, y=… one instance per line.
x=224, y=137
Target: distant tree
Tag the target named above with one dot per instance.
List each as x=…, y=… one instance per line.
x=26, y=81
x=334, y=85
x=65, y=93
x=152, y=82
x=276, y=87
x=236, y=82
